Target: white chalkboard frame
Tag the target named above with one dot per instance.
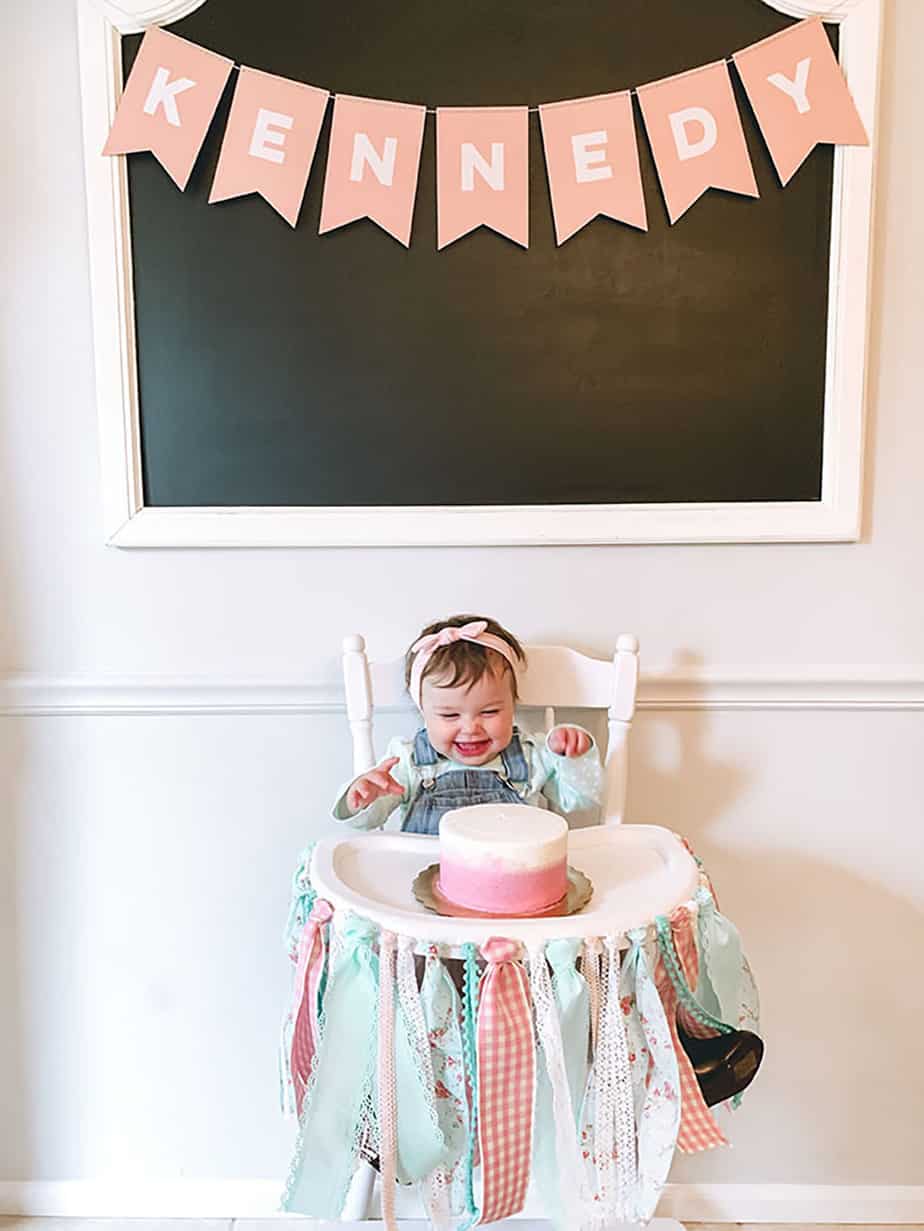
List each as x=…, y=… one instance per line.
x=129, y=523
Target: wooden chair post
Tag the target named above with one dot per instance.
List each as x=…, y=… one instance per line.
x=358, y=691
x=619, y=720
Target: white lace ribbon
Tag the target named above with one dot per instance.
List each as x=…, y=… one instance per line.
x=614, y=1112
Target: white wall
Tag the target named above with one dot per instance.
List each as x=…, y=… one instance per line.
x=146, y=858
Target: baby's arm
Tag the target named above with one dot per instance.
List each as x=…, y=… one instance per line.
x=369, y=800
x=572, y=763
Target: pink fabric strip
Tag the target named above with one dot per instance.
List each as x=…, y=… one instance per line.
x=312, y=951
x=506, y=1072
x=388, y=1132
x=698, y=1128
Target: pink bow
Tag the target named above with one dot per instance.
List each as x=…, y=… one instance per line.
x=446, y=636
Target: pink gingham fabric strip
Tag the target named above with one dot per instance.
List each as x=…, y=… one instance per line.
x=506, y=1074
x=698, y=1129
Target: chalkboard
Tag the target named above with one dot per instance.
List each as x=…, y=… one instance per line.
x=280, y=367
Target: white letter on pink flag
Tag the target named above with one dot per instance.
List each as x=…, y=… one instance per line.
x=592, y=159
x=712, y=153
x=270, y=141
x=799, y=95
x=168, y=103
x=372, y=165
x=482, y=172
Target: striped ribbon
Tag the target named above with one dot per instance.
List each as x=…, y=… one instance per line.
x=312, y=953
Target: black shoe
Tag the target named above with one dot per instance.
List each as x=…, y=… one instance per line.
x=724, y=1064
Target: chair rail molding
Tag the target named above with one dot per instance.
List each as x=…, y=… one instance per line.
x=786, y=688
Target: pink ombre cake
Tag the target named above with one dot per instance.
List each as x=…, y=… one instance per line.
x=503, y=859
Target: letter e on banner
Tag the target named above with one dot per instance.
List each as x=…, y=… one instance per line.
x=799, y=95
x=270, y=141
x=372, y=165
x=591, y=154
x=696, y=136
x=168, y=103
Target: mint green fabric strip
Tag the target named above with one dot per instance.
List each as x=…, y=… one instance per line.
x=345, y=1069
x=420, y=1142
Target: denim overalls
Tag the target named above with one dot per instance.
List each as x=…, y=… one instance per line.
x=460, y=788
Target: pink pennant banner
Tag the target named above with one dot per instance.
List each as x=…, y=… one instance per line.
x=372, y=165
x=168, y=103
x=312, y=950
x=482, y=172
x=506, y=1052
x=696, y=137
x=799, y=95
x=270, y=141
x=592, y=159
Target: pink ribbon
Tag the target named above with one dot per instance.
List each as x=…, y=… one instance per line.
x=312, y=952
x=506, y=1070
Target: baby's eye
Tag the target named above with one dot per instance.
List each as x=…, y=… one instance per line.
x=489, y=713
x=448, y=715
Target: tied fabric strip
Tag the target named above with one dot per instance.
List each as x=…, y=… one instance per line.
x=339, y=1093
x=506, y=1071
x=387, y=1093
x=443, y=1017
x=312, y=952
x=698, y=1128
x=614, y=1110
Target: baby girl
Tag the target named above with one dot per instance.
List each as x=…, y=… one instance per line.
x=462, y=676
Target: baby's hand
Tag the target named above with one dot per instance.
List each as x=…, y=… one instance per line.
x=372, y=785
x=568, y=741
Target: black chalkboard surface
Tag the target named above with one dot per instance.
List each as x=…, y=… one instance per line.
x=280, y=367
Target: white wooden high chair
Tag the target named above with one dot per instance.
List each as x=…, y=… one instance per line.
x=554, y=676
x=652, y=873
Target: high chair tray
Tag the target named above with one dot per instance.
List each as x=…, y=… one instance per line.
x=637, y=871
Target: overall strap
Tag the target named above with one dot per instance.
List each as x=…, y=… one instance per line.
x=516, y=770
x=424, y=753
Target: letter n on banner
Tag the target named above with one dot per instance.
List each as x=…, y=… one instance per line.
x=270, y=141
x=696, y=136
x=799, y=95
x=169, y=100
x=482, y=172
x=372, y=165
x=592, y=159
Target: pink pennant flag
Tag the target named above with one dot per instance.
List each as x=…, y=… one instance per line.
x=270, y=141
x=696, y=136
x=372, y=165
x=799, y=95
x=592, y=159
x=168, y=103
x=482, y=172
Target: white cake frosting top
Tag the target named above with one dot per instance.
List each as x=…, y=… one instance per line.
x=513, y=834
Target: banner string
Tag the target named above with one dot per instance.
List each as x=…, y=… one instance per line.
x=837, y=8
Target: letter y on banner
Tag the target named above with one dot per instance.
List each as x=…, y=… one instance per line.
x=482, y=172
x=169, y=100
x=799, y=95
x=270, y=141
x=696, y=136
x=372, y=165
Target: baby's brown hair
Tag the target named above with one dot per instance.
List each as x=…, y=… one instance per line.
x=465, y=662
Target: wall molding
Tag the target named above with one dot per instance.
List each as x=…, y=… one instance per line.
x=804, y=688
x=258, y=1199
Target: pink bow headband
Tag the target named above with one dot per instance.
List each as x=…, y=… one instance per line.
x=424, y=649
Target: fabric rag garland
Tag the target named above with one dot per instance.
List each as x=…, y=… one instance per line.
x=563, y=1065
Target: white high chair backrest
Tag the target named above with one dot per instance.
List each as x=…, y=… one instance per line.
x=554, y=675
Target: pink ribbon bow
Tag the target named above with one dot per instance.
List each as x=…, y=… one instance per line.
x=312, y=952
x=506, y=1071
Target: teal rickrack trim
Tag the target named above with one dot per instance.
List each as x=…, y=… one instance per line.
x=469, y=1053
x=302, y=899
x=684, y=995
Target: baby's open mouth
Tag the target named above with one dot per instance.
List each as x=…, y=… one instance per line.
x=472, y=748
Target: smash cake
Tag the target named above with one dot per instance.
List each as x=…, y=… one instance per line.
x=503, y=859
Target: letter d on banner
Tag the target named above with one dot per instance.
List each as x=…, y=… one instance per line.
x=169, y=100
x=372, y=165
